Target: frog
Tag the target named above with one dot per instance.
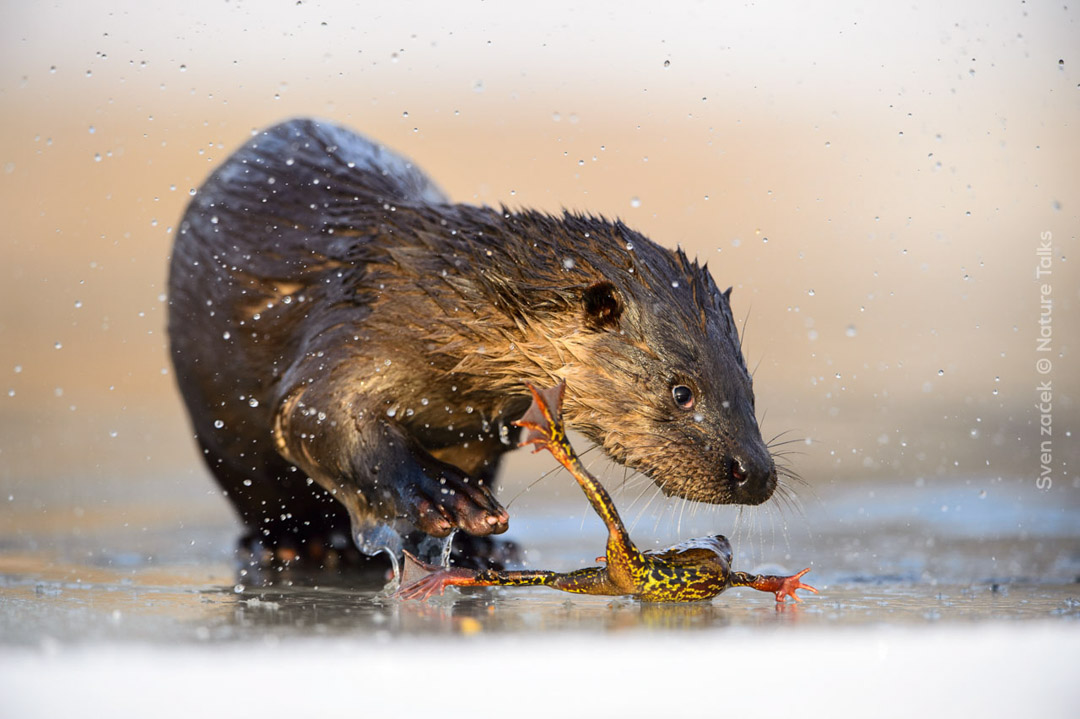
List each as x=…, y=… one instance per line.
x=695, y=570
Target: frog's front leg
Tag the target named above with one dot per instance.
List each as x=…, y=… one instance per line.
x=780, y=586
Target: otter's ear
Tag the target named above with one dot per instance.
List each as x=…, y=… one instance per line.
x=603, y=305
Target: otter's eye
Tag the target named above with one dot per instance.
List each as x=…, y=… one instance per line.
x=683, y=396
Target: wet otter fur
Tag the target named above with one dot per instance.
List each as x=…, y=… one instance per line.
x=352, y=346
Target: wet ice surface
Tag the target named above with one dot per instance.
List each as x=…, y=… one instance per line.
x=904, y=552
x=912, y=553
x=913, y=572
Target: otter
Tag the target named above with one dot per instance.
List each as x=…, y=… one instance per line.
x=352, y=347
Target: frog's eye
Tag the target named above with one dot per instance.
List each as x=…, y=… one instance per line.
x=683, y=396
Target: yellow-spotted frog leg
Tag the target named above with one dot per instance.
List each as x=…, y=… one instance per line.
x=694, y=570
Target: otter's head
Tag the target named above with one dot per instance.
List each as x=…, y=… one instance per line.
x=658, y=376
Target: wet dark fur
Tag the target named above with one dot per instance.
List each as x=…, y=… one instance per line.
x=334, y=317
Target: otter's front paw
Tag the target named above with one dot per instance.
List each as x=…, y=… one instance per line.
x=445, y=500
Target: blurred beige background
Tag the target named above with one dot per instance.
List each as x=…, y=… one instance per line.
x=872, y=181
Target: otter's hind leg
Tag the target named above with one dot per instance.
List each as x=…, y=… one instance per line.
x=287, y=521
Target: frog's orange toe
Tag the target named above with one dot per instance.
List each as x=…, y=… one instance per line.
x=791, y=585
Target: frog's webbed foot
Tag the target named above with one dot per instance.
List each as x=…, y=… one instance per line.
x=435, y=583
x=541, y=422
x=787, y=587
x=420, y=580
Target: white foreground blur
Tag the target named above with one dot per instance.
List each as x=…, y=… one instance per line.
x=983, y=670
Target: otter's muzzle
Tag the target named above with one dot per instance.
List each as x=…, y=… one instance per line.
x=753, y=479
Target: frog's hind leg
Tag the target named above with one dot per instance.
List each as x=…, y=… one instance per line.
x=594, y=580
x=437, y=581
x=434, y=580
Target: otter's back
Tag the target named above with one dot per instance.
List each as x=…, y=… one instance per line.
x=260, y=229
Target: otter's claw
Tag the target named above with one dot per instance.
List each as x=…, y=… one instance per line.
x=446, y=500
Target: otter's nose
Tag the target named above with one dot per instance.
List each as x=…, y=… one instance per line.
x=754, y=481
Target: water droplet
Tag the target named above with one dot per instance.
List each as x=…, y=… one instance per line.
x=239, y=589
x=92, y=130
x=58, y=345
x=253, y=402
x=97, y=157
x=667, y=63
x=78, y=304
x=183, y=68
x=568, y=263
x=218, y=424
x=392, y=412
x=635, y=202
x=941, y=373
x=850, y=331
x=405, y=113
x=810, y=292
x=225, y=335
x=192, y=191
